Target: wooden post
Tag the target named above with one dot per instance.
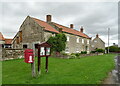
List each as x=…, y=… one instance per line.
x=46, y=67
x=39, y=61
x=33, y=64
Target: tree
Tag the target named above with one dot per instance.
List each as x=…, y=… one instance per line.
x=58, y=42
x=113, y=49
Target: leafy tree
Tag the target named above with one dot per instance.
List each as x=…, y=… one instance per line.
x=113, y=48
x=58, y=42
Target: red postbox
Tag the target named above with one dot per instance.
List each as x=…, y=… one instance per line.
x=28, y=55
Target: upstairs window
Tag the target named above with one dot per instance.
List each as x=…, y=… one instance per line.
x=78, y=40
x=82, y=40
x=95, y=41
x=88, y=41
x=68, y=38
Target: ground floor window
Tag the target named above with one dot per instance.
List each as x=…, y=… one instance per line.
x=67, y=50
x=36, y=45
x=25, y=46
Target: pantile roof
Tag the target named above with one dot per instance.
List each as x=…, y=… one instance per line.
x=70, y=30
x=8, y=41
x=46, y=25
x=1, y=37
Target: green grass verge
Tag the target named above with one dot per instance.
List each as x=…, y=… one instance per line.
x=87, y=70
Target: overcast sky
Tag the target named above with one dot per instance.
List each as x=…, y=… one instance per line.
x=95, y=17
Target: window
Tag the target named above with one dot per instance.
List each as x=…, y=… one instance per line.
x=92, y=45
x=36, y=45
x=24, y=46
x=88, y=41
x=20, y=36
x=95, y=41
x=68, y=38
x=17, y=40
x=77, y=50
x=82, y=40
x=53, y=35
x=67, y=50
x=77, y=40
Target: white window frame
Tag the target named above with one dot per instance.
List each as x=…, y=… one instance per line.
x=67, y=50
x=77, y=40
x=95, y=41
x=68, y=38
x=83, y=41
x=77, y=50
x=93, y=46
x=88, y=42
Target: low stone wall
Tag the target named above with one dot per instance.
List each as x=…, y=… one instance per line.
x=12, y=54
x=92, y=54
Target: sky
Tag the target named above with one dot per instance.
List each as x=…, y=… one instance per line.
x=95, y=17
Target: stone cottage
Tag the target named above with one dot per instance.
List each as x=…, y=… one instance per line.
x=5, y=42
x=34, y=31
x=97, y=43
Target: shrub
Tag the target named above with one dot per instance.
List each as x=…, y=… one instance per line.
x=93, y=51
x=75, y=55
x=100, y=50
x=83, y=52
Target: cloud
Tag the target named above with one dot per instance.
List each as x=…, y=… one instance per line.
x=95, y=17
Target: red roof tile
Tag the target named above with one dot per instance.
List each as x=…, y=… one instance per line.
x=1, y=37
x=8, y=41
x=72, y=31
x=46, y=25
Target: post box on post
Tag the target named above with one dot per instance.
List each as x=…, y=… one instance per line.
x=43, y=51
x=29, y=58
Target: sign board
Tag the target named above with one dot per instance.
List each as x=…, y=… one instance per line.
x=44, y=49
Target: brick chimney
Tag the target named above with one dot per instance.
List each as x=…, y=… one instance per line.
x=48, y=18
x=97, y=36
x=81, y=29
x=71, y=26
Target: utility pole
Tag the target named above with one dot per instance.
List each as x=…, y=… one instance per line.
x=108, y=38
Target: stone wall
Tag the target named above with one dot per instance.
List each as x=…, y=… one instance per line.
x=12, y=54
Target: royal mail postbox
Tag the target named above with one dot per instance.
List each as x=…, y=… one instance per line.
x=28, y=55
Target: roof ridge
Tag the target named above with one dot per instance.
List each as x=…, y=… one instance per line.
x=71, y=29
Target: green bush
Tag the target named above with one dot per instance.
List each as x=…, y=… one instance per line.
x=74, y=55
x=93, y=51
x=100, y=50
x=83, y=52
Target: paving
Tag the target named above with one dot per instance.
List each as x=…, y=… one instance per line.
x=113, y=75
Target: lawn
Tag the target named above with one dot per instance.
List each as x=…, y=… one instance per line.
x=87, y=70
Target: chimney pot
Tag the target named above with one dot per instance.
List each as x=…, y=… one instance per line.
x=48, y=18
x=81, y=29
x=97, y=36
x=71, y=26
